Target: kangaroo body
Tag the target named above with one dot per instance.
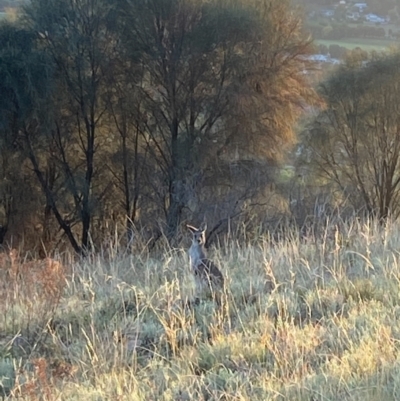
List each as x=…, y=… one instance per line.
x=209, y=279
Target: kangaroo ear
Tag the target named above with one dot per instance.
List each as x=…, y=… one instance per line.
x=203, y=227
x=191, y=228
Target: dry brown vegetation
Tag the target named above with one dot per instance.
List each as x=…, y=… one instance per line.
x=304, y=318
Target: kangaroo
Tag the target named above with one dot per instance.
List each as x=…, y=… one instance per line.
x=209, y=279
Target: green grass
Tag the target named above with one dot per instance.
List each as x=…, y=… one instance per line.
x=366, y=44
x=316, y=319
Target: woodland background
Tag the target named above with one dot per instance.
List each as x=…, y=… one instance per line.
x=123, y=120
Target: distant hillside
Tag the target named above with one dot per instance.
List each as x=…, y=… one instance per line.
x=4, y=4
x=374, y=6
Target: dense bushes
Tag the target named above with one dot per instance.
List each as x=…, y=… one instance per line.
x=337, y=51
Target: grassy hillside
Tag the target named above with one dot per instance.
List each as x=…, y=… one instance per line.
x=366, y=44
x=316, y=319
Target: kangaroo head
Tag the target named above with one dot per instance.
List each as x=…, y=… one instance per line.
x=199, y=234
x=13, y=254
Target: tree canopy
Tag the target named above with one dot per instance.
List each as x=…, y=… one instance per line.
x=355, y=141
x=150, y=112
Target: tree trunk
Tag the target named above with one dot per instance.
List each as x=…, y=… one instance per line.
x=86, y=212
x=50, y=197
x=176, y=187
x=175, y=208
x=50, y=180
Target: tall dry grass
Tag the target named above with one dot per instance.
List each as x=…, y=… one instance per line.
x=312, y=318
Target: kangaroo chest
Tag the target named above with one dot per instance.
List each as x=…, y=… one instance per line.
x=196, y=254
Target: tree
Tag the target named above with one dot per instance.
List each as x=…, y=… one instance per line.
x=25, y=80
x=219, y=80
x=381, y=7
x=355, y=141
x=128, y=162
x=76, y=38
x=337, y=51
